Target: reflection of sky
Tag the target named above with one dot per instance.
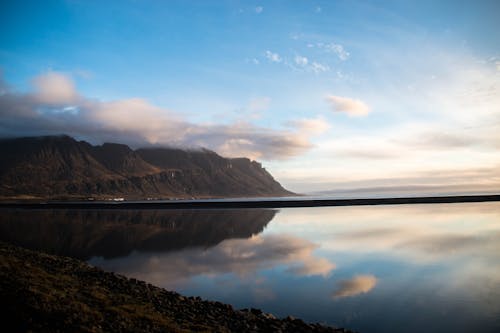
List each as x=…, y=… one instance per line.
x=385, y=268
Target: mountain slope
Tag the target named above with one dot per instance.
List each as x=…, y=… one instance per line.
x=61, y=167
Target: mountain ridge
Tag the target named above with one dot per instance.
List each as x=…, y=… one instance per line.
x=59, y=167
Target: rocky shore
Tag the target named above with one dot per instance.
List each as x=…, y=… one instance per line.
x=47, y=293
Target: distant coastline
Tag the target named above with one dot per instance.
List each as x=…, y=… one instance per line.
x=245, y=203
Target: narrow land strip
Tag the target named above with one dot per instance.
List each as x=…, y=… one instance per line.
x=247, y=203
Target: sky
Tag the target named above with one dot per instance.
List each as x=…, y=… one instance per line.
x=328, y=95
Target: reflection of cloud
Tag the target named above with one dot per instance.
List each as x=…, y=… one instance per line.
x=55, y=107
x=359, y=284
x=352, y=107
x=320, y=266
x=415, y=233
x=442, y=245
x=422, y=243
x=240, y=256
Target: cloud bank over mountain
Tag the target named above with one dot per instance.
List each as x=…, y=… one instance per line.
x=55, y=106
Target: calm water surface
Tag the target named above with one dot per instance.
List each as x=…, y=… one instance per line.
x=406, y=268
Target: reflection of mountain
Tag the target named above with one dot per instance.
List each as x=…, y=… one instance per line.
x=109, y=233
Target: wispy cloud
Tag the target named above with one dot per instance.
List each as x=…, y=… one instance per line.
x=259, y=9
x=359, y=284
x=350, y=106
x=301, y=61
x=311, y=126
x=56, y=107
x=336, y=49
x=317, y=67
x=273, y=57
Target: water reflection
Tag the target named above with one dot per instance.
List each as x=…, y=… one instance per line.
x=412, y=268
x=357, y=285
x=116, y=233
x=242, y=257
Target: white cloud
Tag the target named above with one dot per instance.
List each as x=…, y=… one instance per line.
x=360, y=284
x=54, y=88
x=316, y=67
x=317, y=9
x=352, y=107
x=273, y=57
x=339, y=50
x=259, y=9
x=334, y=48
x=301, y=61
x=55, y=107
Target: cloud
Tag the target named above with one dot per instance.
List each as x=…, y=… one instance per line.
x=55, y=88
x=259, y=9
x=441, y=140
x=359, y=284
x=301, y=61
x=333, y=48
x=273, y=57
x=353, y=107
x=316, y=67
x=338, y=50
x=366, y=153
x=55, y=107
x=310, y=126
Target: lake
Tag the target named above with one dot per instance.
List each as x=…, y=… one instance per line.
x=405, y=268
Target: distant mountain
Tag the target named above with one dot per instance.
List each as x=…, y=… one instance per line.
x=61, y=167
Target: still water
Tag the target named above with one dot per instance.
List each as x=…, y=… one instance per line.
x=408, y=268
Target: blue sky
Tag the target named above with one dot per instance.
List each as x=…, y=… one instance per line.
x=328, y=94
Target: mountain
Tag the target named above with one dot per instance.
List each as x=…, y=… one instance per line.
x=62, y=167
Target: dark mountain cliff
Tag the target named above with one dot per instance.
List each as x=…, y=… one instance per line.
x=61, y=167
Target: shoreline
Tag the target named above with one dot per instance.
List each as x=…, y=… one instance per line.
x=246, y=203
x=43, y=292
